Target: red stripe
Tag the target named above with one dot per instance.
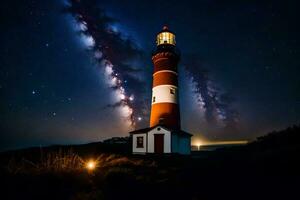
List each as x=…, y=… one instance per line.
x=165, y=78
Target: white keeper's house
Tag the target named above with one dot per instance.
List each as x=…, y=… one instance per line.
x=159, y=139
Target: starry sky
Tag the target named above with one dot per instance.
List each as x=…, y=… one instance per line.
x=78, y=71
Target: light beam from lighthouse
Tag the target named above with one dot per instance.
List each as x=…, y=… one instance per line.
x=165, y=99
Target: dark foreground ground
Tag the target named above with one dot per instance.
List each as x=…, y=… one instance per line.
x=268, y=168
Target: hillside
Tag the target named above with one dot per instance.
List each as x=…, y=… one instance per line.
x=264, y=169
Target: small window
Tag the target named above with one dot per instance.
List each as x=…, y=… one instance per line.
x=139, y=142
x=172, y=91
x=153, y=100
x=158, y=129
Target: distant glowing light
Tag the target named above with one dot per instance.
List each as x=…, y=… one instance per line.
x=33, y=92
x=228, y=142
x=139, y=119
x=198, y=144
x=201, y=143
x=91, y=165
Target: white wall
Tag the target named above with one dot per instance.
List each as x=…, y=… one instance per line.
x=162, y=94
x=134, y=139
x=167, y=139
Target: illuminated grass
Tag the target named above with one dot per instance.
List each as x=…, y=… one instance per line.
x=68, y=161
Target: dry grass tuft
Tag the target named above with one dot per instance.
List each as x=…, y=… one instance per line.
x=60, y=161
x=68, y=161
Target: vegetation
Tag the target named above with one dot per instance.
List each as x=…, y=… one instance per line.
x=267, y=168
x=69, y=162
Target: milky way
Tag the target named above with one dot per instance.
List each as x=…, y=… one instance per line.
x=118, y=55
x=215, y=102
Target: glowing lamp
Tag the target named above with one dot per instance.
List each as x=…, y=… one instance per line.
x=165, y=37
x=90, y=165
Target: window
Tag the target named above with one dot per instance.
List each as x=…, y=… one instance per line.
x=166, y=38
x=153, y=100
x=158, y=129
x=140, y=142
x=172, y=91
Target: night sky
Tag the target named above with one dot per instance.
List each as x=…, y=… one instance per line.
x=79, y=71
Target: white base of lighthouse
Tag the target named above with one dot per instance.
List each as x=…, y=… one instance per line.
x=160, y=140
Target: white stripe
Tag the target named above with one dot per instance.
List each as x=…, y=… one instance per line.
x=166, y=85
x=165, y=71
x=163, y=94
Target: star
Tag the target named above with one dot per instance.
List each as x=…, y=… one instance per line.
x=54, y=114
x=131, y=98
x=33, y=92
x=47, y=44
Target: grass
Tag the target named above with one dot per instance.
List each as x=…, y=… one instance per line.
x=63, y=174
x=66, y=161
x=265, y=169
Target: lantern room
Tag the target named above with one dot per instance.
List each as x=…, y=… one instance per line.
x=165, y=37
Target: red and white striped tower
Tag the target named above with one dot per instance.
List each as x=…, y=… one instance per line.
x=165, y=105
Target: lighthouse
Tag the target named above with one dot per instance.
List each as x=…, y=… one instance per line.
x=165, y=104
x=164, y=134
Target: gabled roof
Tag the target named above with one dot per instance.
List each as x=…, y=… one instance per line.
x=174, y=131
x=144, y=130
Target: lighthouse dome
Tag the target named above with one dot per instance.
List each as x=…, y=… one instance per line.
x=165, y=37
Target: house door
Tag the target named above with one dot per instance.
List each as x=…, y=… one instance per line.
x=158, y=143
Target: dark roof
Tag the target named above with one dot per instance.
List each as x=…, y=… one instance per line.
x=186, y=133
x=146, y=130
x=165, y=29
x=143, y=130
